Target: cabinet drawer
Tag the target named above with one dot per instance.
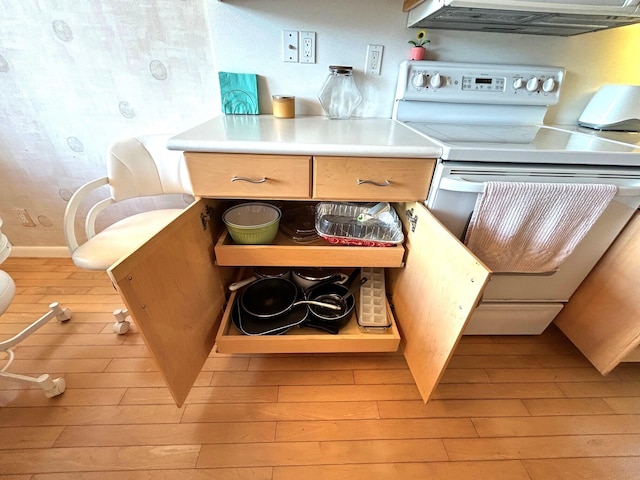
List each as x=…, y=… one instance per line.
x=511, y=318
x=307, y=340
x=220, y=175
x=285, y=252
x=371, y=179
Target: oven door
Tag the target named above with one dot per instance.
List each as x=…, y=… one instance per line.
x=453, y=195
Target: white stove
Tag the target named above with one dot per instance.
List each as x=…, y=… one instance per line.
x=489, y=121
x=479, y=112
x=527, y=144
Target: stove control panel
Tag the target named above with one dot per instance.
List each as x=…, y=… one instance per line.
x=495, y=84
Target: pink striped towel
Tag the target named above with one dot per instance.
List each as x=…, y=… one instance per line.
x=533, y=227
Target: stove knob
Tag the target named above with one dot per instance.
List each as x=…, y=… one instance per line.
x=532, y=84
x=518, y=83
x=549, y=85
x=436, y=81
x=419, y=80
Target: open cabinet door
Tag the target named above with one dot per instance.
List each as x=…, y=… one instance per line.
x=434, y=295
x=175, y=294
x=601, y=318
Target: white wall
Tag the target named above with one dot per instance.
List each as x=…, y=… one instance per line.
x=246, y=37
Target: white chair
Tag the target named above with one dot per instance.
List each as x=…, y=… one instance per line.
x=51, y=387
x=136, y=167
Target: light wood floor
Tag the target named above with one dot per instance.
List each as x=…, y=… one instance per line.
x=508, y=407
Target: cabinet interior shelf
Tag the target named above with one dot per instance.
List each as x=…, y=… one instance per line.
x=285, y=252
x=350, y=338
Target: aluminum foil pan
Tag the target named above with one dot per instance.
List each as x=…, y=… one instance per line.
x=337, y=222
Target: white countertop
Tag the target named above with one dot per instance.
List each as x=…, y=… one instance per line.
x=305, y=135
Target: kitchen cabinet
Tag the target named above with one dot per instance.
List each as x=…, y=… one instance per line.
x=602, y=318
x=175, y=285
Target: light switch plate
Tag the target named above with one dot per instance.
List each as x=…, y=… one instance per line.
x=290, y=44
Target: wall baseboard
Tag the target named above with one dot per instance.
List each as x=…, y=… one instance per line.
x=40, y=252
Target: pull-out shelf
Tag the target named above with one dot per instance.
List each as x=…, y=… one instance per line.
x=285, y=252
x=306, y=340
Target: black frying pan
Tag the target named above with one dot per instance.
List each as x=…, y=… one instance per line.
x=337, y=294
x=250, y=325
x=273, y=297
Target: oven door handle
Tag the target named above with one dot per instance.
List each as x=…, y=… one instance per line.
x=466, y=186
x=459, y=185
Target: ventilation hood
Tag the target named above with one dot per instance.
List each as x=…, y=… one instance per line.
x=535, y=17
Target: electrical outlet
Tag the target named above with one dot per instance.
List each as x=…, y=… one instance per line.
x=290, y=46
x=308, y=41
x=374, y=59
x=24, y=217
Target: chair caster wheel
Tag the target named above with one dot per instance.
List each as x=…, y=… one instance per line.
x=59, y=386
x=66, y=315
x=121, y=327
x=62, y=314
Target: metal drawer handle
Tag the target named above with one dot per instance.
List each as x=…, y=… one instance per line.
x=377, y=184
x=235, y=178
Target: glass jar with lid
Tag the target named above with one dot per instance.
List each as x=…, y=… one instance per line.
x=339, y=95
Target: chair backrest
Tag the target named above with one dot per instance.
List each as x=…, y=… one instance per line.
x=142, y=166
x=5, y=246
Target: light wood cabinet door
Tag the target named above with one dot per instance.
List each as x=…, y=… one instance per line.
x=175, y=294
x=174, y=290
x=602, y=318
x=249, y=176
x=434, y=295
x=371, y=179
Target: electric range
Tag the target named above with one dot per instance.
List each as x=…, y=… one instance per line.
x=489, y=121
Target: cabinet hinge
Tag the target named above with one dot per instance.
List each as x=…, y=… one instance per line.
x=206, y=216
x=413, y=219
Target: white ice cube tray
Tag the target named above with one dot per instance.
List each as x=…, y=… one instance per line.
x=372, y=312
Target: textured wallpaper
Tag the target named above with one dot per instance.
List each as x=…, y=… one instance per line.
x=74, y=75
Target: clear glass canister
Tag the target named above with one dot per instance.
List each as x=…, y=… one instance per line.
x=339, y=95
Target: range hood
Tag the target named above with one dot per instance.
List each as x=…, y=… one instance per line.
x=535, y=17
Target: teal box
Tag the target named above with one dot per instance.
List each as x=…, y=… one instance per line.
x=239, y=93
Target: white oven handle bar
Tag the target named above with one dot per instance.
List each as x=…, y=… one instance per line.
x=466, y=186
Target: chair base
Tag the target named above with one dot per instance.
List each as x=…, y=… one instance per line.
x=51, y=387
x=122, y=325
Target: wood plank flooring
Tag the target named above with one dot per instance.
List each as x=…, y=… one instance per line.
x=511, y=408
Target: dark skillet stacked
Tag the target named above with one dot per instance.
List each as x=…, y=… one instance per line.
x=272, y=306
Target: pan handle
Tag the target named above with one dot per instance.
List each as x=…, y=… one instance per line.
x=332, y=329
x=330, y=306
x=355, y=288
x=238, y=285
x=351, y=278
